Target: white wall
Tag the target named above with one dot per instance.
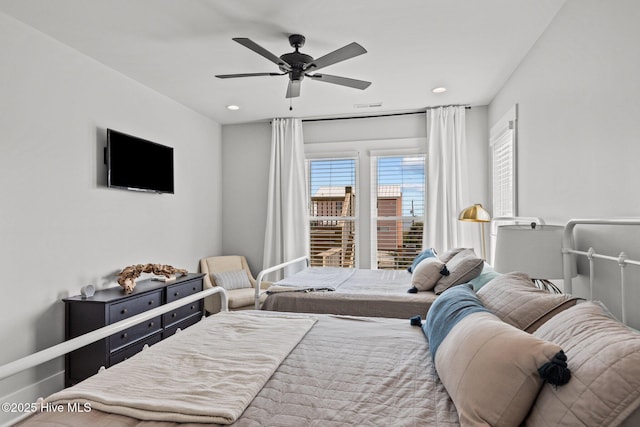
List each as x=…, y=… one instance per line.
x=245, y=155
x=246, y=149
x=60, y=228
x=577, y=93
x=578, y=138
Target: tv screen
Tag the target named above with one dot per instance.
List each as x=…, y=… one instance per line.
x=137, y=164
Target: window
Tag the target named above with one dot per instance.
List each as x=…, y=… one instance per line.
x=502, y=140
x=503, y=164
x=332, y=211
x=397, y=211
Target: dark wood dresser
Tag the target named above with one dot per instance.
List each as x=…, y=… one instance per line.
x=111, y=305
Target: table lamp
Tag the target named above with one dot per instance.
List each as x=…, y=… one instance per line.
x=533, y=249
x=476, y=213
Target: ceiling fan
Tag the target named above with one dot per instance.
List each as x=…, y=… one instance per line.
x=298, y=65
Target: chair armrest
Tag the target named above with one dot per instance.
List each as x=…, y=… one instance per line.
x=265, y=284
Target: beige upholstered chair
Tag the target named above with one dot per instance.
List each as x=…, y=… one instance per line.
x=239, y=299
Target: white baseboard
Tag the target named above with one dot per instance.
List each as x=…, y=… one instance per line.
x=30, y=393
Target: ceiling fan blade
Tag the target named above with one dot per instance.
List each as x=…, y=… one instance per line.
x=261, y=51
x=232, y=76
x=346, y=52
x=293, y=90
x=344, y=81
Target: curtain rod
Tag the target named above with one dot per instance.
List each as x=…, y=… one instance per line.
x=467, y=107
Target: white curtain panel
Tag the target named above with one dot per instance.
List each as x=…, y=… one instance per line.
x=287, y=231
x=447, y=179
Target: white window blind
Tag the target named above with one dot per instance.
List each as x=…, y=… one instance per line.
x=503, y=155
x=397, y=199
x=332, y=211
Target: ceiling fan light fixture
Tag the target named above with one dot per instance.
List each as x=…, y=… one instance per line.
x=439, y=89
x=233, y=107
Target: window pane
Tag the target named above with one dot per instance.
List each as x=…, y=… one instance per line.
x=332, y=189
x=398, y=191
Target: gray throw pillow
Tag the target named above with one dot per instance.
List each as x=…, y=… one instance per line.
x=464, y=266
x=231, y=280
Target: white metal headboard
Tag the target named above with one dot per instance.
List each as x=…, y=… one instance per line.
x=568, y=251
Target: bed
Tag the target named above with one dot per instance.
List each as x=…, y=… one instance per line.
x=364, y=292
x=350, y=291
x=331, y=370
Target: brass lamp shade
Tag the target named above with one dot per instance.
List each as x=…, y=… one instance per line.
x=475, y=213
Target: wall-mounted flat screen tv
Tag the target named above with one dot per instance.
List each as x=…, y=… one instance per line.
x=137, y=164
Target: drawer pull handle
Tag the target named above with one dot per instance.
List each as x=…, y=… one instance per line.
x=124, y=335
x=176, y=294
x=151, y=302
x=173, y=314
x=192, y=307
x=151, y=324
x=124, y=311
x=194, y=289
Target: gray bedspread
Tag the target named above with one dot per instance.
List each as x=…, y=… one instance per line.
x=344, y=372
x=360, y=292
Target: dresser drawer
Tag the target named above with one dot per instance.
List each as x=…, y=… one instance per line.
x=182, y=290
x=134, y=333
x=167, y=332
x=132, y=306
x=181, y=313
x=126, y=353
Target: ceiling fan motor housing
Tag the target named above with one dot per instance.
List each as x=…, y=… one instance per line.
x=296, y=60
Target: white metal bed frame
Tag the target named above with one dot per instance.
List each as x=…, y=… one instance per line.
x=266, y=271
x=568, y=250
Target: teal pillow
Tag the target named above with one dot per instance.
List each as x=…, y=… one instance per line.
x=427, y=253
x=487, y=275
x=453, y=305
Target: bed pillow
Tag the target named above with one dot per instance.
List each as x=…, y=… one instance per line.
x=427, y=253
x=491, y=370
x=487, y=275
x=446, y=257
x=514, y=298
x=427, y=273
x=463, y=266
x=604, y=357
x=447, y=310
x=231, y=280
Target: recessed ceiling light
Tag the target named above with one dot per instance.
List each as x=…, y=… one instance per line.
x=233, y=107
x=439, y=89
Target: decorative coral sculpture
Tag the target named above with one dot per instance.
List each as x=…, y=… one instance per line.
x=127, y=277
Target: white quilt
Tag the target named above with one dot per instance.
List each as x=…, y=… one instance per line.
x=314, y=278
x=208, y=373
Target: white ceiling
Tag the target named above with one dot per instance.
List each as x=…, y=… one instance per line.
x=177, y=46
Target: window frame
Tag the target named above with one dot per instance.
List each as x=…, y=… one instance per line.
x=374, y=218
x=356, y=209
